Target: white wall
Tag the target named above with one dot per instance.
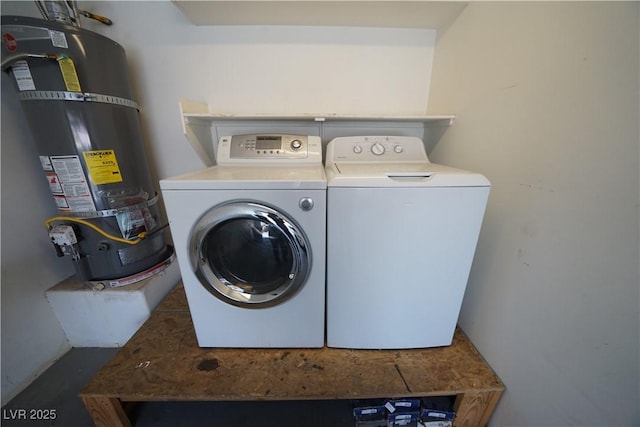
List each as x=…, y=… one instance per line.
x=547, y=103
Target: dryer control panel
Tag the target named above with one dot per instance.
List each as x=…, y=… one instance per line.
x=265, y=148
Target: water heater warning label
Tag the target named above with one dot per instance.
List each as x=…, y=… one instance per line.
x=69, y=74
x=58, y=39
x=22, y=74
x=103, y=166
x=68, y=183
x=54, y=183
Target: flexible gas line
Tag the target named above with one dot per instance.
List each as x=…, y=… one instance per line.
x=102, y=19
x=138, y=239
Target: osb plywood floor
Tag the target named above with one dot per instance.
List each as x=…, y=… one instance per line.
x=162, y=361
x=57, y=390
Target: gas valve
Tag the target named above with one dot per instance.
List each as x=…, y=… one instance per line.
x=64, y=240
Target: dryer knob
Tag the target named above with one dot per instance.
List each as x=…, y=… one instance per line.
x=306, y=203
x=296, y=144
x=377, y=149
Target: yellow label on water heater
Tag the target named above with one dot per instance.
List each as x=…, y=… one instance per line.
x=69, y=74
x=102, y=166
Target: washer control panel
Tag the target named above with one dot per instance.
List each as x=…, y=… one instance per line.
x=376, y=149
x=269, y=148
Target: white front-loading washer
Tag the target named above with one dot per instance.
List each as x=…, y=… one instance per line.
x=249, y=235
x=401, y=237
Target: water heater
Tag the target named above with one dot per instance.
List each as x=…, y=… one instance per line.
x=75, y=93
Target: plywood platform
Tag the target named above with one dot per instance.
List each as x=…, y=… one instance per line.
x=162, y=362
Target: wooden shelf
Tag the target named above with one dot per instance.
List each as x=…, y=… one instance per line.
x=198, y=121
x=162, y=362
x=355, y=13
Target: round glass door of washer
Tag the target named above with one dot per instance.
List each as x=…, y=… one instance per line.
x=249, y=254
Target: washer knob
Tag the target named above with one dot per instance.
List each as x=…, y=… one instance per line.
x=296, y=144
x=377, y=149
x=357, y=149
x=398, y=149
x=306, y=203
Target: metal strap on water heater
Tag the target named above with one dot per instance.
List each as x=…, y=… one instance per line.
x=113, y=212
x=99, y=285
x=59, y=95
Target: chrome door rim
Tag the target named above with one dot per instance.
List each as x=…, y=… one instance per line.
x=219, y=286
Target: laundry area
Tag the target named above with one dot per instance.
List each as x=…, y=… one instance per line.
x=382, y=212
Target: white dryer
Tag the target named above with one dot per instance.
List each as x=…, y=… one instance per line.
x=401, y=236
x=249, y=235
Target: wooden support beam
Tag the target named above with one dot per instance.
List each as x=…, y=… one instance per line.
x=106, y=411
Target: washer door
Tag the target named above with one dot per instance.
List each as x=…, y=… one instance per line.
x=249, y=254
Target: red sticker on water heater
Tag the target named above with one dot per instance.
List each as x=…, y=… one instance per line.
x=9, y=42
